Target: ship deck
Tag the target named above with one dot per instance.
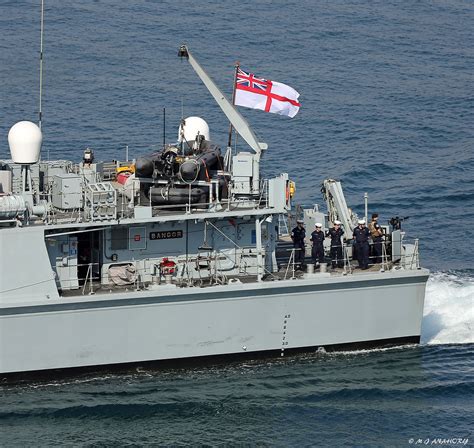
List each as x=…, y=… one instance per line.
x=284, y=273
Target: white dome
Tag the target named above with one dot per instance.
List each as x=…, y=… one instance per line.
x=25, y=140
x=193, y=126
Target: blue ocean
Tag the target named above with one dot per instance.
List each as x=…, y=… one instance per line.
x=387, y=108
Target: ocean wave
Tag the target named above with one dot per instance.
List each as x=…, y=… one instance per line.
x=120, y=410
x=390, y=391
x=448, y=316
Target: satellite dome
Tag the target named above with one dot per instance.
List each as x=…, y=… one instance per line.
x=25, y=140
x=191, y=127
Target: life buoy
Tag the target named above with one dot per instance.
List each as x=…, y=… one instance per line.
x=167, y=266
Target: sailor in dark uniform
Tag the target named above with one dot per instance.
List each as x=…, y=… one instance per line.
x=376, y=233
x=361, y=239
x=298, y=235
x=317, y=237
x=336, y=234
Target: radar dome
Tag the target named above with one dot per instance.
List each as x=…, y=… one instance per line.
x=25, y=140
x=192, y=127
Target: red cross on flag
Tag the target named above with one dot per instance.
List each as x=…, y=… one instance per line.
x=270, y=96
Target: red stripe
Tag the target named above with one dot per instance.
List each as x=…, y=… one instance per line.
x=269, y=94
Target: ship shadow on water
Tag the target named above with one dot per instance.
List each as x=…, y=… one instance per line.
x=219, y=363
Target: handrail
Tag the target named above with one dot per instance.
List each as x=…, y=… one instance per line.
x=145, y=274
x=291, y=261
x=89, y=275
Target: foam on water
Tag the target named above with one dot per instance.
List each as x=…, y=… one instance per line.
x=449, y=309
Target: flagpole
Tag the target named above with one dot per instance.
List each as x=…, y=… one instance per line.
x=237, y=65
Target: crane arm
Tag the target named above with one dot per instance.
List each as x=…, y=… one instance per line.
x=239, y=123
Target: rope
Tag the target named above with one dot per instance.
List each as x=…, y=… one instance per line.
x=26, y=286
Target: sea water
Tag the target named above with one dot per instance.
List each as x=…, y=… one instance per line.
x=387, y=107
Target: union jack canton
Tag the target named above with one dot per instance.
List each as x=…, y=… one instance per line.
x=249, y=80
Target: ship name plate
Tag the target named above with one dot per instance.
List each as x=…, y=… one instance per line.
x=166, y=234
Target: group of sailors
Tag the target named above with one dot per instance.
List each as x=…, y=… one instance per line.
x=360, y=237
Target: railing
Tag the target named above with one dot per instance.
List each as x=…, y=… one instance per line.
x=78, y=209
x=409, y=259
x=201, y=268
x=77, y=215
x=68, y=277
x=89, y=278
x=208, y=269
x=283, y=225
x=292, y=263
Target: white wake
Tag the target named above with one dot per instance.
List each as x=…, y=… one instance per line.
x=448, y=317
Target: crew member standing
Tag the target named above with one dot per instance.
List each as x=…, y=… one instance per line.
x=336, y=234
x=376, y=233
x=317, y=237
x=361, y=239
x=298, y=235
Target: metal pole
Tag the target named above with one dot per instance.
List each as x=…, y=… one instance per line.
x=417, y=253
x=258, y=237
x=237, y=65
x=293, y=265
x=384, y=256
x=85, y=279
x=164, y=126
x=189, y=200
x=40, y=118
x=126, y=153
x=366, y=202
x=290, y=261
x=91, y=286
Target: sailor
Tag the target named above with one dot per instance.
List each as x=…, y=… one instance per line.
x=298, y=235
x=336, y=233
x=376, y=233
x=317, y=237
x=361, y=240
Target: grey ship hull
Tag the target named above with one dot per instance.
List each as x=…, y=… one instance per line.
x=237, y=319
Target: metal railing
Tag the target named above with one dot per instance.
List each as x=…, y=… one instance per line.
x=292, y=263
x=126, y=201
x=207, y=270
x=409, y=258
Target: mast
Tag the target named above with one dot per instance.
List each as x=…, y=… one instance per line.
x=40, y=113
x=237, y=65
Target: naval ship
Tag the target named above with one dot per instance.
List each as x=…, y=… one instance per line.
x=182, y=254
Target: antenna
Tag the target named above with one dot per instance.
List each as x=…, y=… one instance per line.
x=40, y=117
x=182, y=123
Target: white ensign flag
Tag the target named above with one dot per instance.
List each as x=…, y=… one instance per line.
x=263, y=94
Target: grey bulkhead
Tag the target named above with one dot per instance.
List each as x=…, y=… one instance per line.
x=147, y=244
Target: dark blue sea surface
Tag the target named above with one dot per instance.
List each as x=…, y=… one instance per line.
x=387, y=107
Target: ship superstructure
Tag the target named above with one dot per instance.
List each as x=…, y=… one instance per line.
x=177, y=254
